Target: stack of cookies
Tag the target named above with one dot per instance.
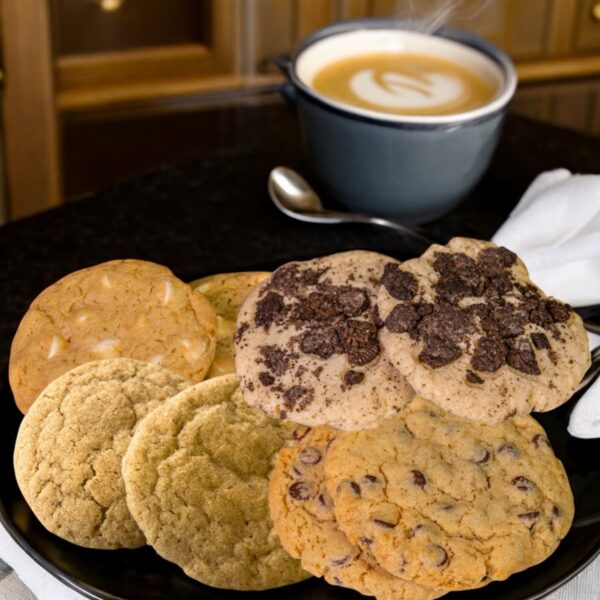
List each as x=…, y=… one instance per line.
x=375, y=432
x=419, y=471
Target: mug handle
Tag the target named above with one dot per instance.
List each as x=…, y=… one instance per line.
x=287, y=89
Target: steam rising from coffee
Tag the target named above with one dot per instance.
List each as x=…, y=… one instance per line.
x=428, y=17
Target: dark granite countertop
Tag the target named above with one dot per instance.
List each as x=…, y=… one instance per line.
x=212, y=213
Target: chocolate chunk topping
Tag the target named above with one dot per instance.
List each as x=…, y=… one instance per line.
x=266, y=378
x=359, y=341
x=560, y=312
x=324, y=343
x=508, y=450
x=529, y=517
x=352, y=301
x=522, y=483
x=540, y=341
x=418, y=478
x=403, y=318
x=521, y=356
x=300, y=490
x=474, y=378
x=317, y=306
x=353, y=377
x=277, y=360
x=400, y=284
x=384, y=524
x=459, y=263
x=241, y=330
x=489, y=355
x=439, y=353
x=447, y=323
x=451, y=287
x=309, y=456
x=297, y=395
x=494, y=260
x=289, y=278
x=269, y=309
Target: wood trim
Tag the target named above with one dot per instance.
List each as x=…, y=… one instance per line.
x=560, y=68
x=563, y=14
x=30, y=118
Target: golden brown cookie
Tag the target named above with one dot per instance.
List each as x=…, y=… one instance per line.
x=303, y=516
x=470, y=331
x=196, y=474
x=70, y=445
x=447, y=502
x=226, y=292
x=122, y=308
x=307, y=346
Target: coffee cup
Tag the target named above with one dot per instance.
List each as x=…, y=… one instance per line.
x=408, y=143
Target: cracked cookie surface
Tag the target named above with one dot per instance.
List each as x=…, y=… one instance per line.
x=226, y=293
x=303, y=516
x=122, y=308
x=70, y=445
x=470, y=331
x=307, y=344
x=447, y=502
x=196, y=474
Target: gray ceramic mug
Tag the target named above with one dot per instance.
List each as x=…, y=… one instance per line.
x=414, y=168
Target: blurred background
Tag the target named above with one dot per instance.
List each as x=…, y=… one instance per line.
x=95, y=91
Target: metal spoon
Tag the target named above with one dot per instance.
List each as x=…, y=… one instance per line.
x=294, y=197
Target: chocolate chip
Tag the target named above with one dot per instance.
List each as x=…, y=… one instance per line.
x=540, y=341
x=352, y=301
x=438, y=557
x=400, y=284
x=363, y=540
x=353, y=377
x=474, y=378
x=359, y=341
x=266, y=378
x=370, y=479
x=521, y=356
x=556, y=512
x=309, y=456
x=447, y=508
x=403, y=318
x=384, y=524
x=482, y=457
x=338, y=562
x=438, y=353
x=300, y=490
x=540, y=440
x=300, y=433
x=355, y=488
x=269, y=309
x=418, y=478
x=489, y=354
x=529, y=517
x=522, y=483
x=508, y=450
x=241, y=330
x=323, y=343
x=413, y=532
x=325, y=500
x=277, y=360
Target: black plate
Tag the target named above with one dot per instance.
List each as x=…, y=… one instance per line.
x=133, y=574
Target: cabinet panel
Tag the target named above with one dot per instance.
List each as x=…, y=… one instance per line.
x=587, y=29
x=314, y=14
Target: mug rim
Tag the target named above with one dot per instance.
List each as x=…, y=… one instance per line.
x=454, y=34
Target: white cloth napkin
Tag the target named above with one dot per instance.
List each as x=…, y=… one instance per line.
x=555, y=229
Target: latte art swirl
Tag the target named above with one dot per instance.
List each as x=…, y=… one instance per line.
x=391, y=89
x=404, y=83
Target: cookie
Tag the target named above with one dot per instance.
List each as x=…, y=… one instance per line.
x=307, y=345
x=303, y=516
x=447, y=502
x=123, y=308
x=196, y=475
x=470, y=331
x=226, y=292
x=70, y=445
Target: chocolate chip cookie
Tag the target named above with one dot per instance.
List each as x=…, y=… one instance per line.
x=470, y=331
x=307, y=344
x=70, y=445
x=122, y=308
x=196, y=475
x=226, y=292
x=447, y=502
x=303, y=516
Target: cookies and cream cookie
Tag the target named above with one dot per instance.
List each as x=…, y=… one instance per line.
x=307, y=345
x=226, y=292
x=70, y=445
x=447, y=502
x=122, y=308
x=196, y=475
x=303, y=516
x=470, y=331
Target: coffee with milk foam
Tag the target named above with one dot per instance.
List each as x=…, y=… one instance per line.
x=404, y=83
